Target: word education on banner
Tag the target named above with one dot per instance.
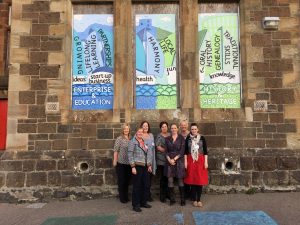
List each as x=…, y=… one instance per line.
x=219, y=60
x=155, y=39
x=92, y=62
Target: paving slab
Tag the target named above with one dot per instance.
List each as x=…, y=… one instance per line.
x=283, y=208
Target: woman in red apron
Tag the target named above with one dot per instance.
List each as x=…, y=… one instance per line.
x=196, y=163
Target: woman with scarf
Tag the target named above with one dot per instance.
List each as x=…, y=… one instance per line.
x=196, y=163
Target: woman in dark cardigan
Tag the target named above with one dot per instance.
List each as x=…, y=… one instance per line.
x=175, y=147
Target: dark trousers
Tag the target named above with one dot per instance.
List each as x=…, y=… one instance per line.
x=187, y=191
x=163, y=182
x=124, y=175
x=196, y=191
x=149, y=187
x=140, y=183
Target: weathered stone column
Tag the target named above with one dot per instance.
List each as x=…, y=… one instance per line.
x=188, y=51
x=123, y=56
x=17, y=83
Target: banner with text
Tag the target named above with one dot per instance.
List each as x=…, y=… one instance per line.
x=219, y=60
x=92, y=62
x=155, y=39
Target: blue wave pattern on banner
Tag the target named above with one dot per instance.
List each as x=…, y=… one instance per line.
x=146, y=96
x=155, y=90
x=146, y=90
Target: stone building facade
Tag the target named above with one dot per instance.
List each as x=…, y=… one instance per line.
x=4, y=30
x=53, y=151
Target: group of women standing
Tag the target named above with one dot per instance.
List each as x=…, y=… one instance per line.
x=172, y=155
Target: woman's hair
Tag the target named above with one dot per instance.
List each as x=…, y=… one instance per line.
x=183, y=121
x=138, y=128
x=194, y=125
x=123, y=127
x=162, y=123
x=148, y=125
x=173, y=124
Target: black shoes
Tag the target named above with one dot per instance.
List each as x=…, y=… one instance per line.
x=182, y=202
x=172, y=195
x=137, y=209
x=147, y=206
x=163, y=200
x=182, y=199
x=172, y=202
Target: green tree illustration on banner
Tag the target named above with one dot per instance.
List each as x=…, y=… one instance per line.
x=219, y=60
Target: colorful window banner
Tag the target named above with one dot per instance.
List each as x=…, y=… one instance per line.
x=219, y=60
x=155, y=40
x=92, y=62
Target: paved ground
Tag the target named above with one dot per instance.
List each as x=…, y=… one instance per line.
x=284, y=208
